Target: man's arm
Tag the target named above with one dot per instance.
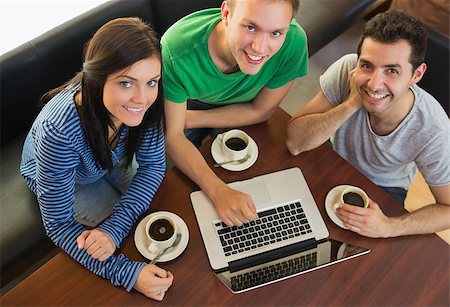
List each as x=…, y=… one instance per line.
x=315, y=123
x=371, y=221
x=236, y=115
x=429, y=219
x=232, y=206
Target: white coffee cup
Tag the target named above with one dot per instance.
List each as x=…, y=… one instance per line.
x=352, y=196
x=161, y=232
x=235, y=144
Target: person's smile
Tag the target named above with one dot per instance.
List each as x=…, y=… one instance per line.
x=254, y=59
x=375, y=97
x=134, y=110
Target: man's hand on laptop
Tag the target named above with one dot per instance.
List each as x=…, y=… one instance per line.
x=234, y=207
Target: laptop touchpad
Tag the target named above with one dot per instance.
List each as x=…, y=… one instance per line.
x=257, y=190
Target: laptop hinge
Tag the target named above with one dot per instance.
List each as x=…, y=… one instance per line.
x=271, y=255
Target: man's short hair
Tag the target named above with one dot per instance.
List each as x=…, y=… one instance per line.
x=295, y=4
x=394, y=25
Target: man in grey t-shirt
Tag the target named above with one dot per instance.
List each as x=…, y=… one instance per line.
x=384, y=124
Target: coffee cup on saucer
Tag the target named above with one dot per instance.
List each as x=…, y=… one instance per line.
x=352, y=196
x=161, y=232
x=248, y=155
x=235, y=144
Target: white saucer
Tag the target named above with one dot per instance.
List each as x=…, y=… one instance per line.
x=330, y=200
x=216, y=151
x=140, y=239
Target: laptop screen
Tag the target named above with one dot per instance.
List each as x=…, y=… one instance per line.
x=323, y=254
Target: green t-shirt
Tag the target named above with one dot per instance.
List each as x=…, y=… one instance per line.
x=189, y=71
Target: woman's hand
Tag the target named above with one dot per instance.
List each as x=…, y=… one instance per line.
x=97, y=243
x=153, y=282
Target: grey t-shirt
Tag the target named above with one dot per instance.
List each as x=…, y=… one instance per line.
x=422, y=140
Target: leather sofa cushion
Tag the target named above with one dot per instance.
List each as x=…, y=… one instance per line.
x=20, y=218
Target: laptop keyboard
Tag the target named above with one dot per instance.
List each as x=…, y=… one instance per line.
x=273, y=225
x=274, y=272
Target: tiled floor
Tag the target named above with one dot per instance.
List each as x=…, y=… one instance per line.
x=307, y=87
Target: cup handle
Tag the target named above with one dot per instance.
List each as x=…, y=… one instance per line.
x=152, y=248
x=335, y=206
x=220, y=137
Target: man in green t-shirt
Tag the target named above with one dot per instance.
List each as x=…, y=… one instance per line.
x=225, y=68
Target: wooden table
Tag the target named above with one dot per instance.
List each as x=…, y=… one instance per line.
x=412, y=270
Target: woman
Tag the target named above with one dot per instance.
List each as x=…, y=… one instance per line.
x=89, y=136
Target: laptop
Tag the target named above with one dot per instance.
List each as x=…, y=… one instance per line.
x=286, y=195
x=289, y=237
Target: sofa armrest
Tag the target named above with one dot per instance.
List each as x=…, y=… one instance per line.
x=436, y=78
x=21, y=72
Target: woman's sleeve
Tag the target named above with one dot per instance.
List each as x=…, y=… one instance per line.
x=136, y=200
x=56, y=161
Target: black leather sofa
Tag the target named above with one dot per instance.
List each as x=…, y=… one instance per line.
x=436, y=79
x=47, y=61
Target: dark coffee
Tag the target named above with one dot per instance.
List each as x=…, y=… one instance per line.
x=236, y=144
x=354, y=199
x=161, y=230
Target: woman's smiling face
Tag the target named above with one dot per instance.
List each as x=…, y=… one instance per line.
x=129, y=93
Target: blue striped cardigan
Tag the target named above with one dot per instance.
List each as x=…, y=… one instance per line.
x=56, y=155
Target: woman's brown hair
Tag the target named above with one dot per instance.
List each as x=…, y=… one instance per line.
x=115, y=46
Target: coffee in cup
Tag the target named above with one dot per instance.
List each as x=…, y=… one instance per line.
x=161, y=233
x=235, y=144
x=161, y=230
x=352, y=196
